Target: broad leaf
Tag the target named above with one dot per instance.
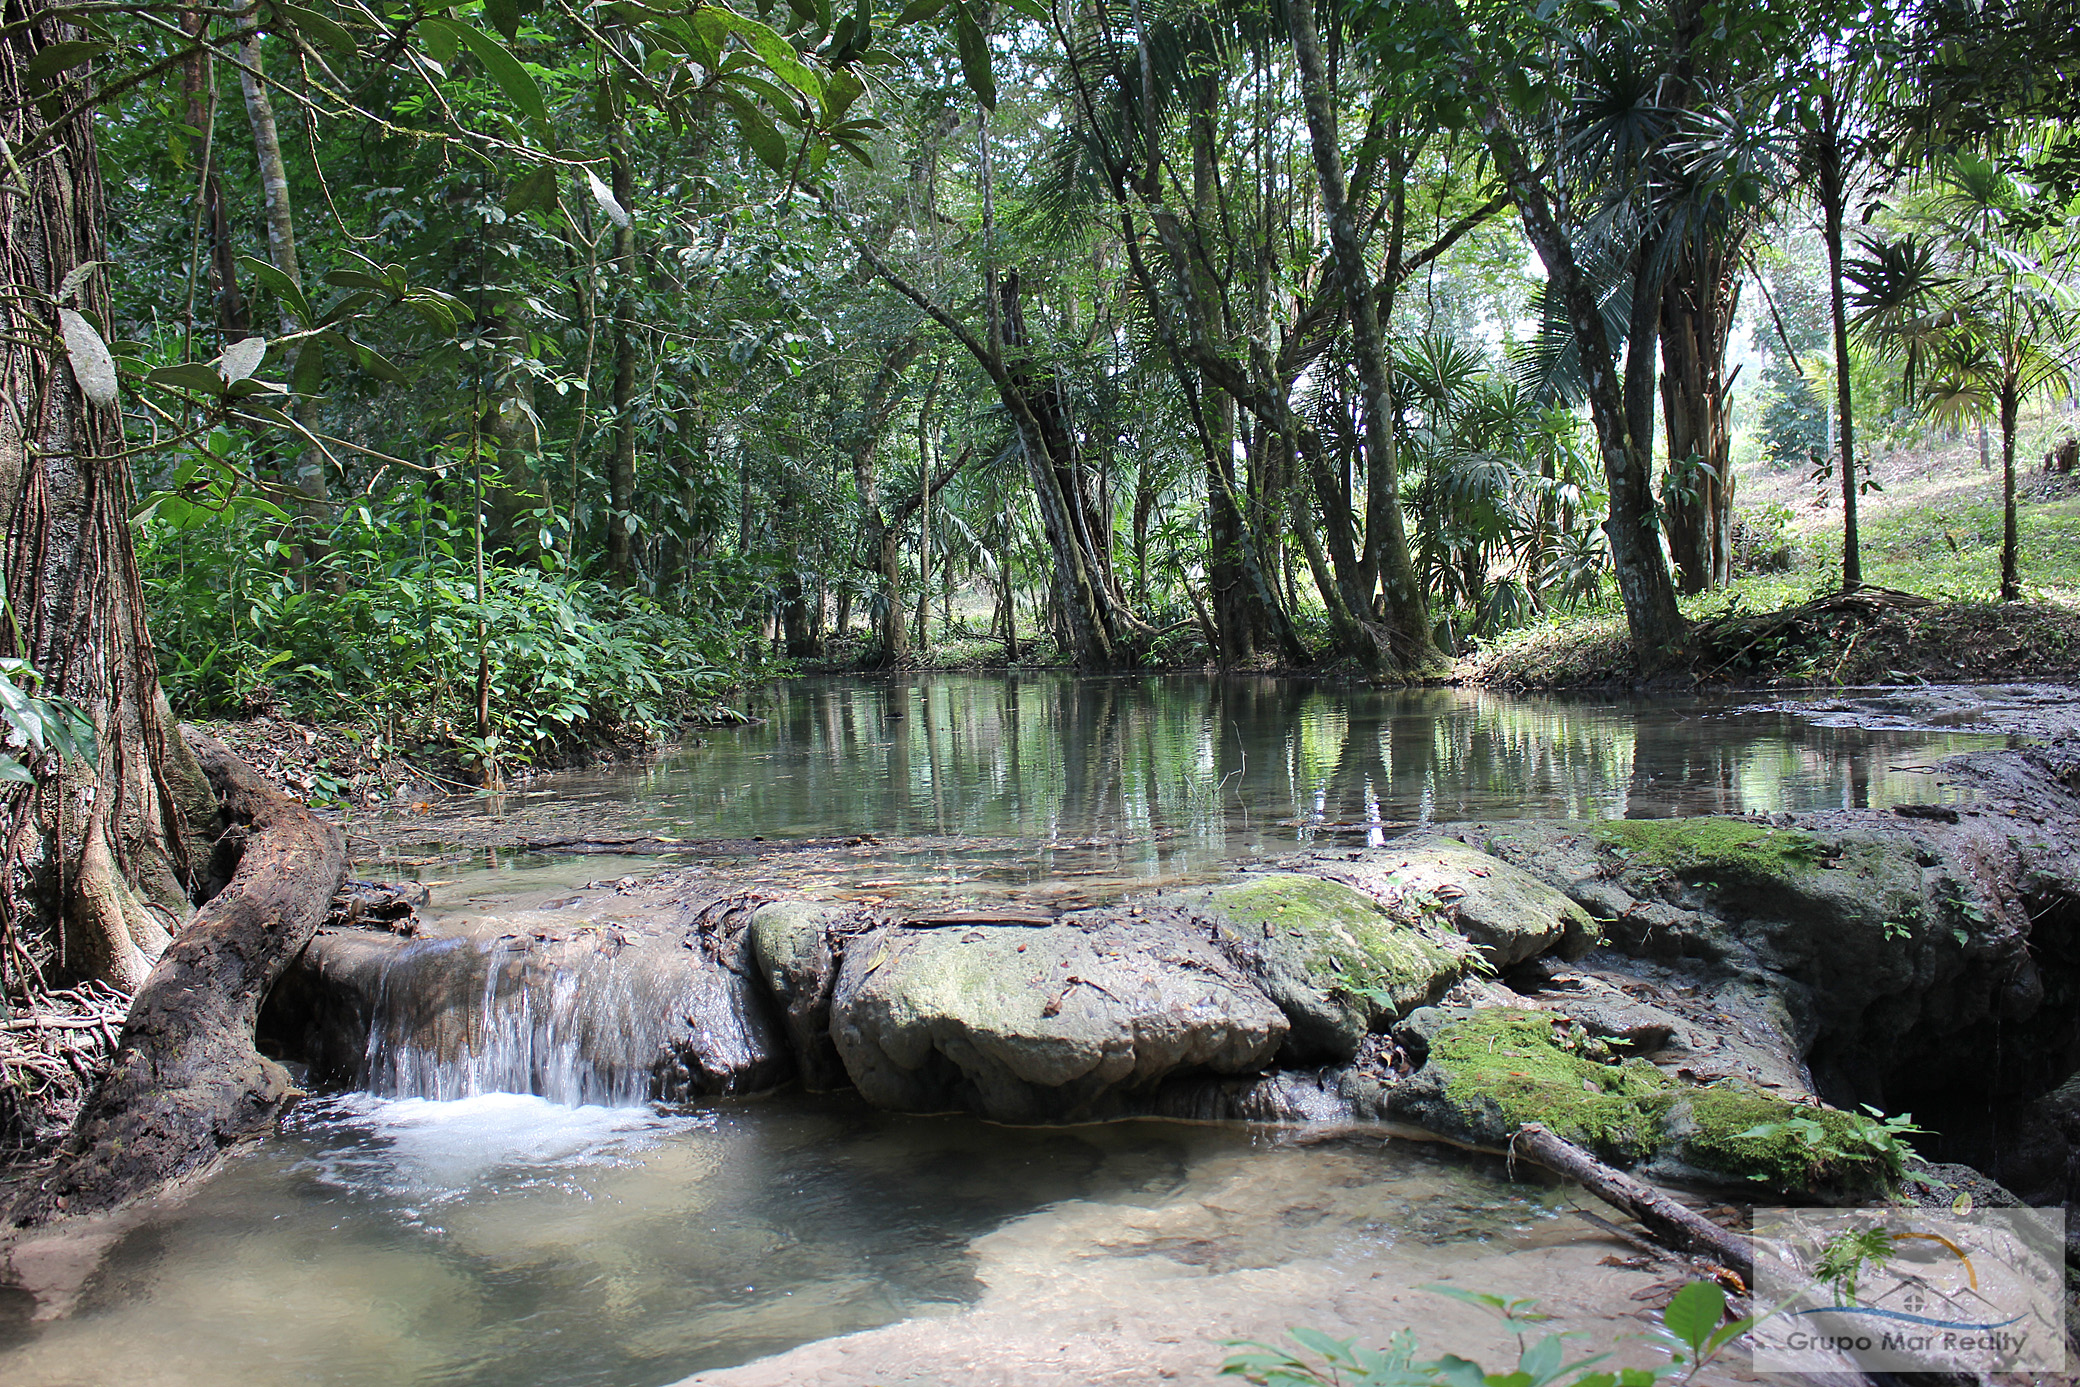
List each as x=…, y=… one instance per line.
x=1695, y=1313
x=312, y=25
x=779, y=56
x=508, y=71
x=187, y=375
x=536, y=189
x=92, y=366
x=604, y=196
x=504, y=16
x=241, y=359
x=285, y=288
x=974, y=57
x=62, y=57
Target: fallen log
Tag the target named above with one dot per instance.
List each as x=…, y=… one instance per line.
x=1667, y=1220
x=187, y=1084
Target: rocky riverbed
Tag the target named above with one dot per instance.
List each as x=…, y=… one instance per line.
x=1667, y=993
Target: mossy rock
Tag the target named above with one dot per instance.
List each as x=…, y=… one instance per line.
x=1333, y=959
x=1041, y=1025
x=1490, y=1072
x=1717, y=853
x=1509, y=913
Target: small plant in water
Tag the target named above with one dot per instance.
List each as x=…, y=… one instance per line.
x=1691, y=1335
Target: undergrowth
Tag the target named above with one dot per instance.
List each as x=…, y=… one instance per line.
x=382, y=624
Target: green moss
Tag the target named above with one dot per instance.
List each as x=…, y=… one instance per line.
x=1734, y=848
x=1633, y=1112
x=1508, y=1058
x=1714, y=1126
x=1344, y=940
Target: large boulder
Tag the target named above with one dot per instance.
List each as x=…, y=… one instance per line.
x=1509, y=913
x=1023, y=1024
x=1337, y=962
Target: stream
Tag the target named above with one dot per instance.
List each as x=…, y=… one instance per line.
x=503, y=1239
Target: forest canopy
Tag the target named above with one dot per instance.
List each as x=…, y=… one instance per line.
x=509, y=373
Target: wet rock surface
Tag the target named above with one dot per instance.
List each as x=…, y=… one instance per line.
x=666, y=1009
x=1338, y=962
x=1025, y=1025
x=1687, y=980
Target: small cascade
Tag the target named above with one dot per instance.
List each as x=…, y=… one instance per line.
x=591, y=1018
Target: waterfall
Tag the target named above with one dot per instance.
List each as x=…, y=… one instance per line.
x=593, y=1017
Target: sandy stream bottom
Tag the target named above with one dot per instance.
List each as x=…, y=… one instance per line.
x=1088, y=1292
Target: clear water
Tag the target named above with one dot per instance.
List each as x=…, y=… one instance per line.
x=1059, y=782
x=505, y=1241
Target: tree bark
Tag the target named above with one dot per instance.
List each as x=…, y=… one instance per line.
x=1833, y=198
x=621, y=467
x=1667, y=1220
x=2011, y=546
x=95, y=861
x=307, y=476
x=1620, y=400
x=1697, y=311
x=1386, y=539
x=188, y=1084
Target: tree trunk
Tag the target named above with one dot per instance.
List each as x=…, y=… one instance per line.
x=621, y=468
x=307, y=475
x=1386, y=539
x=2011, y=575
x=1697, y=310
x=1833, y=196
x=1620, y=403
x=188, y=1084
x=97, y=860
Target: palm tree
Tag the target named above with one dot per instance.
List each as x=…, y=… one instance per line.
x=1978, y=310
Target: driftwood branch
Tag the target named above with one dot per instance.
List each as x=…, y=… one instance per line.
x=187, y=1084
x=1667, y=1220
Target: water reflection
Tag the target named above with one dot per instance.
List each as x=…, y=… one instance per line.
x=1187, y=771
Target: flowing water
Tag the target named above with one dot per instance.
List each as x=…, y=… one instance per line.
x=502, y=1239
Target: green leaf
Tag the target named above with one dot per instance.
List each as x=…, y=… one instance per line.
x=285, y=288
x=312, y=25
x=1695, y=1313
x=376, y=364
x=508, y=71
x=779, y=56
x=1031, y=9
x=536, y=189
x=62, y=57
x=919, y=10
x=441, y=41
x=839, y=93
x=309, y=376
x=759, y=133
x=504, y=16
x=974, y=58
x=187, y=375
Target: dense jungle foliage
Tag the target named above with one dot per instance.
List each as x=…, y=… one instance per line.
x=518, y=372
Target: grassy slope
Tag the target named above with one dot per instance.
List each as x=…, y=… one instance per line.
x=1934, y=530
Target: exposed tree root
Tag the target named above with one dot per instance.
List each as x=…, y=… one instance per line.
x=187, y=1083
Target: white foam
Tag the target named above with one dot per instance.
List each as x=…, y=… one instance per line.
x=430, y=1151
